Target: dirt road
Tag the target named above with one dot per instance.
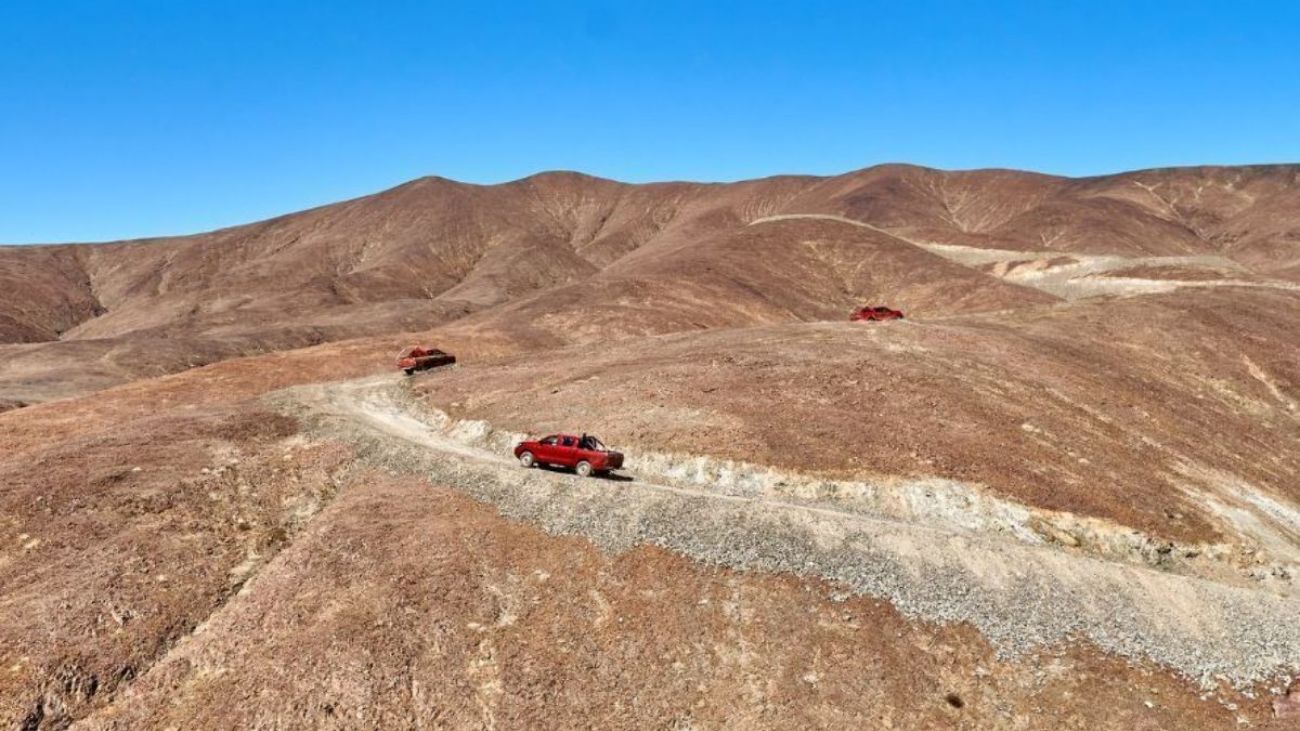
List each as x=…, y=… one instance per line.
x=1021, y=596
x=1074, y=276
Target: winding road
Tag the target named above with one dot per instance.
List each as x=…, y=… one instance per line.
x=1021, y=596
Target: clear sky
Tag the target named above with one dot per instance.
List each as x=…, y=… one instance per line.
x=124, y=118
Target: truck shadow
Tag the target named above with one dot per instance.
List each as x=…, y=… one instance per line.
x=608, y=476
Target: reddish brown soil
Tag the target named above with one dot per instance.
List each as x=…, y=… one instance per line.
x=657, y=316
x=402, y=609
x=637, y=259
x=1081, y=408
x=1192, y=274
x=372, y=606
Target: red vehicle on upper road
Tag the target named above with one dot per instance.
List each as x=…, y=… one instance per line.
x=584, y=455
x=869, y=314
x=418, y=358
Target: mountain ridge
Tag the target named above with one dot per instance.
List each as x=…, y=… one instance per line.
x=433, y=250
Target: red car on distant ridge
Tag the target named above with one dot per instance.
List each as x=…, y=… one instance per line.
x=418, y=358
x=871, y=314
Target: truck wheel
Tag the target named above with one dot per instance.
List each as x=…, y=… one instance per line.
x=583, y=469
x=410, y=371
x=527, y=460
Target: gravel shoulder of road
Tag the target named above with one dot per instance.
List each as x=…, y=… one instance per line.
x=1020, y=596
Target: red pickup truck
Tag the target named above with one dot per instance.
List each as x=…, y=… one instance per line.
x=585, y=454
x=418, y=358
x=871, y=314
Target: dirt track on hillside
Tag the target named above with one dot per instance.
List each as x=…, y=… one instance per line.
x=1020, y=596
x=1077, y=276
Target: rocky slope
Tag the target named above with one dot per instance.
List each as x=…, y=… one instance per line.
x=1063, y=492
x=434, y=250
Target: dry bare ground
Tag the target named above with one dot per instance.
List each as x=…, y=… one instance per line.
x=1062, y=494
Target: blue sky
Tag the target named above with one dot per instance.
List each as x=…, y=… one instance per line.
x=131, y=118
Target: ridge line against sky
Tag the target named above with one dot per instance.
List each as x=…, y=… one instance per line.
x=386, y=188
x=145, y=118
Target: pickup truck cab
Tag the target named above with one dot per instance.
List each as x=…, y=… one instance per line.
x=584, y=454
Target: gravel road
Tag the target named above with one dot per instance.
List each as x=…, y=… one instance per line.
x=1018, y=595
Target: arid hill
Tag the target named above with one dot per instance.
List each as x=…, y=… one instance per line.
x=1063, y=492
x=434, y=250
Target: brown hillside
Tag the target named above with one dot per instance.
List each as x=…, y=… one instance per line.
x=434, y=250
x=1063, y=492
x=795, y=270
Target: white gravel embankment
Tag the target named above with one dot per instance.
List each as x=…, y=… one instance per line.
x=1021, y=596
